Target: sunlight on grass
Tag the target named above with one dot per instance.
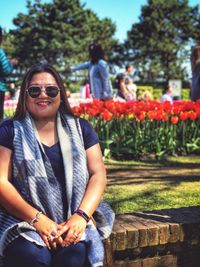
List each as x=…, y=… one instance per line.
x=147, y=196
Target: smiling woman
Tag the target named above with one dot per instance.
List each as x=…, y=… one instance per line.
x=55, y=183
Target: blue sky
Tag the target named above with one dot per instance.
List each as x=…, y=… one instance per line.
x=122, y=12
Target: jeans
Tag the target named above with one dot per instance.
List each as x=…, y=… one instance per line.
x=23, y=253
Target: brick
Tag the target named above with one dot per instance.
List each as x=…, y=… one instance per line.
x=119, y=235
x=163, y=232
x=120, y=264
x=132, y=235
x=168, y=261
x=137, y=263
x=136, y=222
x=151, y=262
x=143, y=235
x=153, y=234
x=174, y=232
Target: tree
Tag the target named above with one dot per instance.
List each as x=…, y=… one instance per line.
x=59, y=33
x=160, y=43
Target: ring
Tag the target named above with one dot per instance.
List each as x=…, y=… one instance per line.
x=54, y=233
x=75, y=235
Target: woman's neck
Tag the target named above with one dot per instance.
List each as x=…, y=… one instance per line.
x=47, y=131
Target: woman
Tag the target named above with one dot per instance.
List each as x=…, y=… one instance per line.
x=98, y=72
x=195, y=64
x=6, y=68
x=52, y=178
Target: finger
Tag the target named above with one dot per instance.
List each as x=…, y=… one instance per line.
x=71, y=237
x=53, y=245
x=59, y=240
x=44, y=238
x=78, y=239
x=62, y=229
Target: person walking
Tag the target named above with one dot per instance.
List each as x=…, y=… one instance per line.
x=52, y=180
x=98, y=72
x=6, y=68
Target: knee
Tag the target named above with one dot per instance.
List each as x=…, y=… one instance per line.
x=27, y=254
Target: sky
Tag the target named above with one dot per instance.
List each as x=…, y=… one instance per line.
x=122, y=12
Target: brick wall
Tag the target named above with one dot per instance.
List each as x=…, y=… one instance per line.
x=165, y=238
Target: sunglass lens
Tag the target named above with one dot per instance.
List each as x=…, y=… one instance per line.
x=52, y=91
x=34, y=91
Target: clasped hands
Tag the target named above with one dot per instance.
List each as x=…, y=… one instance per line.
x=64, y=234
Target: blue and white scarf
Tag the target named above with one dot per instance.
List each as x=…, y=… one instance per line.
x=33, y=177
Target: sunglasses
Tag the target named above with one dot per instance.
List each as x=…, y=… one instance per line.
x=50, y=90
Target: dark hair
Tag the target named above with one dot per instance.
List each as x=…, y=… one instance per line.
x=38, y=68
x=165, y=89
x=96, y=52
x=128, y=66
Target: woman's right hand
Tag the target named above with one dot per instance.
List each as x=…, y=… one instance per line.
x=49, y=231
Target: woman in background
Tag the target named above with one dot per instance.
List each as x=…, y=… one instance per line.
x=98, y=72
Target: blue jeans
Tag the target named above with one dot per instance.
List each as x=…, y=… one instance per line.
x=23, y=253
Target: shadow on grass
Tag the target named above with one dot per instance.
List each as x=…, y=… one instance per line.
x=172, y=181
x=178, y=162
x=176, y=215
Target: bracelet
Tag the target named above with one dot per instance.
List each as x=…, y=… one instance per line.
x=36, y=218
x=83, y=215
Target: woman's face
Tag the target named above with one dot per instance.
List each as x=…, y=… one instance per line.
x=43, y=106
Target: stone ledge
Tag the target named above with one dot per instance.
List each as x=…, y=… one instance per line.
x=171, y=235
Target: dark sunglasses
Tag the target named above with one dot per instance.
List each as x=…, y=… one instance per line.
x=50, y=90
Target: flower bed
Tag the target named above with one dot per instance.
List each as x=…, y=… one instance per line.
x=133, y=129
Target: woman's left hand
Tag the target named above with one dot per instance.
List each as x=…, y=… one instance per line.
x=72, y=230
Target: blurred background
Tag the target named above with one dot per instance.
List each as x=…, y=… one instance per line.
x=156, y=36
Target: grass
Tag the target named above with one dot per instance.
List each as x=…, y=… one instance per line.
x=151, y=184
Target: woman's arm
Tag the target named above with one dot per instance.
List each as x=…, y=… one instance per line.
x=13, y=202
x=82, y=66
x=97, y=182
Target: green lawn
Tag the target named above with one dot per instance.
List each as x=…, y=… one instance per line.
x=150, y=185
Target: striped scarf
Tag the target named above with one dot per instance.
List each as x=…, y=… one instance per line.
x=34, y=179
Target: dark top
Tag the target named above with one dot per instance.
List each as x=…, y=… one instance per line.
x=90, y=137
x=195, y=92
x=54, y=154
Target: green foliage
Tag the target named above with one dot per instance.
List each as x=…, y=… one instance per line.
x=159, y=43
x=157, y=93
x=59, y=33
x=185, y=93
x=8, y=45
x=141, y=89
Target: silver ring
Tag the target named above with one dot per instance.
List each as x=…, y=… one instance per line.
x=54, y=233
